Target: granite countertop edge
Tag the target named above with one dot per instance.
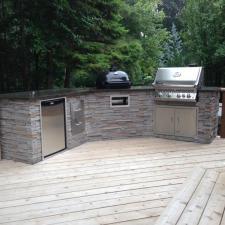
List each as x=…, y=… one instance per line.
x=57, y=93
x=205, y=88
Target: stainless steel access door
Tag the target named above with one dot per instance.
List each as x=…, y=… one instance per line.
x=164, y=120
x=53, y=126
x=186, y=122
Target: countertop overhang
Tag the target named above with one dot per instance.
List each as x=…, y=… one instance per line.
x=56, y=93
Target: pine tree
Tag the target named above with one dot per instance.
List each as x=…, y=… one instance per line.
x=173, y=54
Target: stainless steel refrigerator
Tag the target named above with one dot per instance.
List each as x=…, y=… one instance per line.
x=53, y=126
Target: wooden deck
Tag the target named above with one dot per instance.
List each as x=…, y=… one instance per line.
x=126, y=182
x=201, y=201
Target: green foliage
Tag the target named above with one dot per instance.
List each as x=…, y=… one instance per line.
x=138, y=48
x=173, y=53
x=66, y=43
x=172, y=10
x=44, y=43
x=145, y=39
x=125, y=55
x=204, y=35
x=83, y=79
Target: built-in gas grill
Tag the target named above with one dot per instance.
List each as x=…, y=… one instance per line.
x=178, y=83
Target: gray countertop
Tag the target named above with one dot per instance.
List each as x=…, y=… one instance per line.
x=204, y=88
x=55, y=93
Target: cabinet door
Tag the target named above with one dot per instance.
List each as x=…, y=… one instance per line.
x=77, y=117
x=164, y=120
x=186, y=122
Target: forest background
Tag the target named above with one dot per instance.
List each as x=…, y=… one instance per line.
x=68, y=43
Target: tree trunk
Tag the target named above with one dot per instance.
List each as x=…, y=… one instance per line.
x=36, y=79
x=50, y=69
x=25, y=64
x=3, y=52
x=67, y=77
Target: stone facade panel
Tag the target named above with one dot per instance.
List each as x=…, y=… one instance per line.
x=20, y=121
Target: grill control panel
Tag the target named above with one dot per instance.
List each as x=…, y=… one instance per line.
x=168, y=95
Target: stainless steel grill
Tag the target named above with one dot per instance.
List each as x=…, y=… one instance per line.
x=178, y=83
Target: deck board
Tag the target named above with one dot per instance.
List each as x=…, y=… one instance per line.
x=202, y=204
x=214, y=210
x=117, y=182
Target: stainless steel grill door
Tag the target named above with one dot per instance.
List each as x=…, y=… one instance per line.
x=186, y=122
x=164, y=120
x=53, y=126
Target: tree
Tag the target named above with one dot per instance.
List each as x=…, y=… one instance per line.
x=173, y=53
x=204, y=36
x=144, y=40
x=100, y=29
x=172, y=10
x=5, y=47
x=67, y=43
x=33, y=34
x=45, y=43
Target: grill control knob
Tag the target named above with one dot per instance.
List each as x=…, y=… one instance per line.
x=178, y=95
x=169, y=95
x=160, y=94
x=188, y=95
x=183, y=95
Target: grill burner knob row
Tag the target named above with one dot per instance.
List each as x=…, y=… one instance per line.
x=164, y=94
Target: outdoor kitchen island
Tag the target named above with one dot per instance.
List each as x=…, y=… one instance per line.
x=92, y=114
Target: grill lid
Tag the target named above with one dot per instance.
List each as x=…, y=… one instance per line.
x=117, y=76
x=178, y=76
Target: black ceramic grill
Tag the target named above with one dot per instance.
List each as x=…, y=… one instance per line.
x=114, y=79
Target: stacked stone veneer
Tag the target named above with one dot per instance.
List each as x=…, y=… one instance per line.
x=208, y=106
x=20, y=121
x=20, y=130
x=105, y=122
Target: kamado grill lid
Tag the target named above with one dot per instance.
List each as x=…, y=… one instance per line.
x=178, y=76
